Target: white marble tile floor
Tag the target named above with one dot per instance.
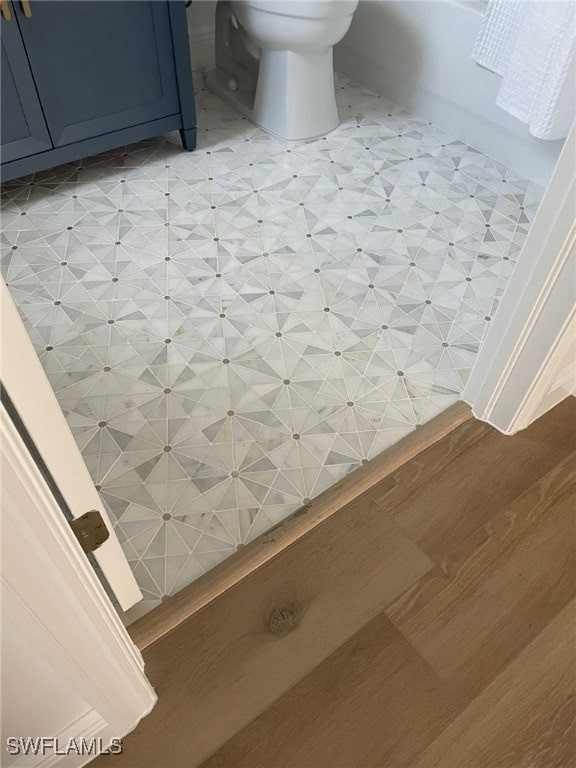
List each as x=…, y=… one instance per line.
x=231, y=331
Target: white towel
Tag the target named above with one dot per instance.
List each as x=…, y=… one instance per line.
x=531, y=46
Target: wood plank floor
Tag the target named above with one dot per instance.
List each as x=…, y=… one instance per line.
x=429, y=623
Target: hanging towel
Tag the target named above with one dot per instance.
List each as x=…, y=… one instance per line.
x=531, y=46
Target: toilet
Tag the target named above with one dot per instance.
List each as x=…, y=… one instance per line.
x=274, y=62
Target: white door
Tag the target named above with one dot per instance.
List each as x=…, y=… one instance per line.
x=527, y=362
x=72, y=680
x=27, y=386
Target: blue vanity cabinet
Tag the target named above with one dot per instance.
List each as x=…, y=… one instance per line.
x=85, y=76
x=24, y=130
x=123, y=70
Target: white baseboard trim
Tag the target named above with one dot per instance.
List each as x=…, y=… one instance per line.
x=85, y=727
x=202, y=47
x=89, y=725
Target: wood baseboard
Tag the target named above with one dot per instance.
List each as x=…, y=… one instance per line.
x=182, y=606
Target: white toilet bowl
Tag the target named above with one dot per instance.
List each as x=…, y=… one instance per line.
x=293, y=40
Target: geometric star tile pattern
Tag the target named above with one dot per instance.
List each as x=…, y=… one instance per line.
x=231, y=331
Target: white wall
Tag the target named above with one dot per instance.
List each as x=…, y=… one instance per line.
x=417, y=54
x=201, y=33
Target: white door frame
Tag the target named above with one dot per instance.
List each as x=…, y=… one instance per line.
x=56, y=614
x=34, y=399
x=527, y=362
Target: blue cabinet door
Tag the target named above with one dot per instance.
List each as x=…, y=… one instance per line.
x=23, y=130
x=100, y=66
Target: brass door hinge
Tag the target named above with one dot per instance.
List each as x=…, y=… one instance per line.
x=5, y=10
x=90, y=530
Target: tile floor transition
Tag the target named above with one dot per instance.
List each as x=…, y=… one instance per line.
x=231, y=331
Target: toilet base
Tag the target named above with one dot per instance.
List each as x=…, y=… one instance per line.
x=293, y=99
x=241, y=99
